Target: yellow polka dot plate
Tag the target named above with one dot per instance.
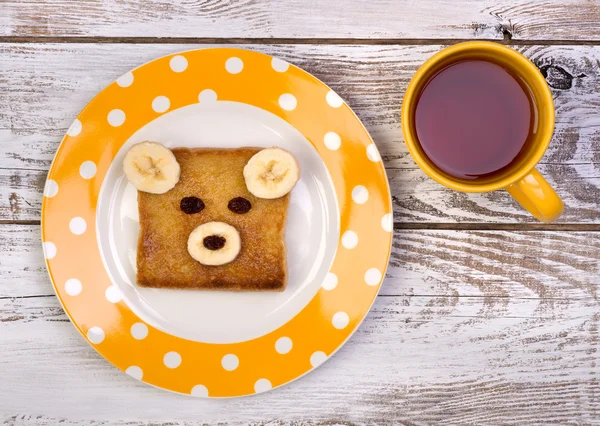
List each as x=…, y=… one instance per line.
x=218, y=344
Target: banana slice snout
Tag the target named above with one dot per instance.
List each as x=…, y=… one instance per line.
x=214, y=243
x=271, y=173
x=151, y=167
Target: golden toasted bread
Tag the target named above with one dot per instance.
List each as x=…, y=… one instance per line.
x=215, y=176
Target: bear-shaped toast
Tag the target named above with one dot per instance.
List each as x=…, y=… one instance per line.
x=210, y=231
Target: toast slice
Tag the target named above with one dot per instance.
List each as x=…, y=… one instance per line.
x=215, y=176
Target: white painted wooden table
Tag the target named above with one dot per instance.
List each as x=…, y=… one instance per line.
x=485, y=317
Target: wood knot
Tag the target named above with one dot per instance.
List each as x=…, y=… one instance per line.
x=557, y=77
x=507, y=30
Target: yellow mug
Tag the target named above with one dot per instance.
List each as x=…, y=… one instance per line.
x=520, y=179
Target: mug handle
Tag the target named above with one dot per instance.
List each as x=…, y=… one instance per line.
x=536, y=195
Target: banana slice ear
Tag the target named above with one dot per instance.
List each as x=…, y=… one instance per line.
x=271, y=173
x=151, y=167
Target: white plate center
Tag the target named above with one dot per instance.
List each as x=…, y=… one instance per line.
x=312, y=231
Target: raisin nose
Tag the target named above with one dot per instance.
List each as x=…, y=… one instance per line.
x=214, y=242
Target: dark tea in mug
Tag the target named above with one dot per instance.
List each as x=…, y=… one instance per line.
x=473, y=118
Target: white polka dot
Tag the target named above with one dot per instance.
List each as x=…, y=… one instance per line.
x=373, y=276
x=372, y=153
x=230, y=362
x=340, y=320
x=172, y=359
x=87, y=170
x=333, y=99
x=207, y=96
x=161, y=104
x=95, y=335
x=51, y=188
x=283, y=345
x=349, y=239
x=73, y=286
x=116, y=117
x=360, y=194
x=262, y=385
x=135, y=372
x=113, y=294
x=234, y=65
x=139, y=330
x=332, y=140
x=317, y=358
x=288, y=102
x=387, y=222
x=49, y=250
x=77, y=225
x=178, y=63
x=75, y=128
x=279, y=65
x=199, y=391
x=125, y=80
x=330, y=282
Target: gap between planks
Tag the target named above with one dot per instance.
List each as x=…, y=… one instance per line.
x=431, y=296
x=210, y=40
x=560, y=227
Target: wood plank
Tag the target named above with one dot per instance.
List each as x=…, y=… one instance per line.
x=422, y=359
x=21, y=193
x=443, y=19
x=448, y=264
x=43, y=90
x=22, y=267
x=415, y=197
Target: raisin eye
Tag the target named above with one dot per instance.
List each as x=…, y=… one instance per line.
x=191, y=205
x=239, y=205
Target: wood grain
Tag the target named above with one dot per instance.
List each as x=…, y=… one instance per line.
x=442, y=19
x=471, y=327
x=446, y=368
x=42, y=90
x=522, y=265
